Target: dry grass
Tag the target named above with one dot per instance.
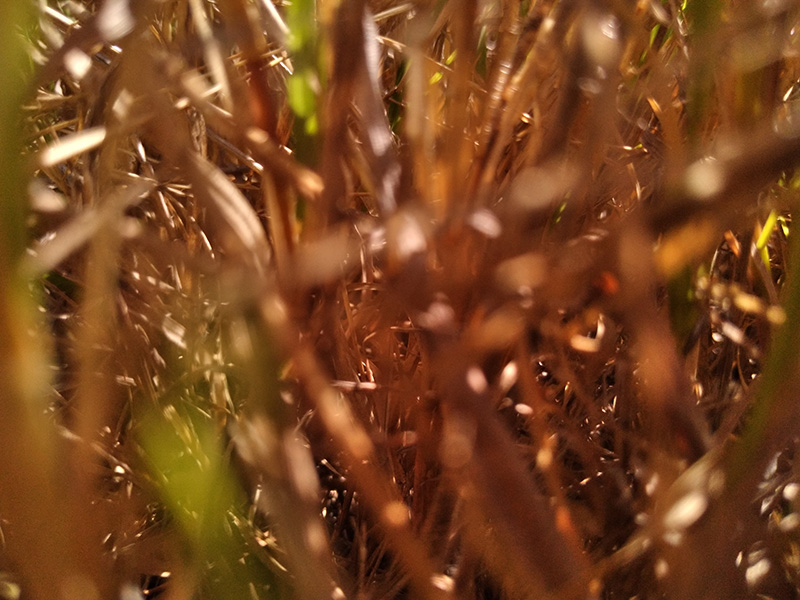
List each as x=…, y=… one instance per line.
x=400, y=300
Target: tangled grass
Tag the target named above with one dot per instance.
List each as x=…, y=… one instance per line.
x=399, y=299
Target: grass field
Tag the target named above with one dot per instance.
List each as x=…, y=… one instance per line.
x=379, y=299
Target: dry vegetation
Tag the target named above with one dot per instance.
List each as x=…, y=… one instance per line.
x=426, y=300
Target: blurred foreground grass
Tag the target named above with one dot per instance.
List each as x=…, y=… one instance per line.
x=399, y=299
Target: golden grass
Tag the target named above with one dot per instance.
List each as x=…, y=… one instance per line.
x=400, y=300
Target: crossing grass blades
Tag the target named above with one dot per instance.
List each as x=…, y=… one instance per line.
x=383, y=299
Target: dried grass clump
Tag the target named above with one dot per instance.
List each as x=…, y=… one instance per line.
x=400, y=300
